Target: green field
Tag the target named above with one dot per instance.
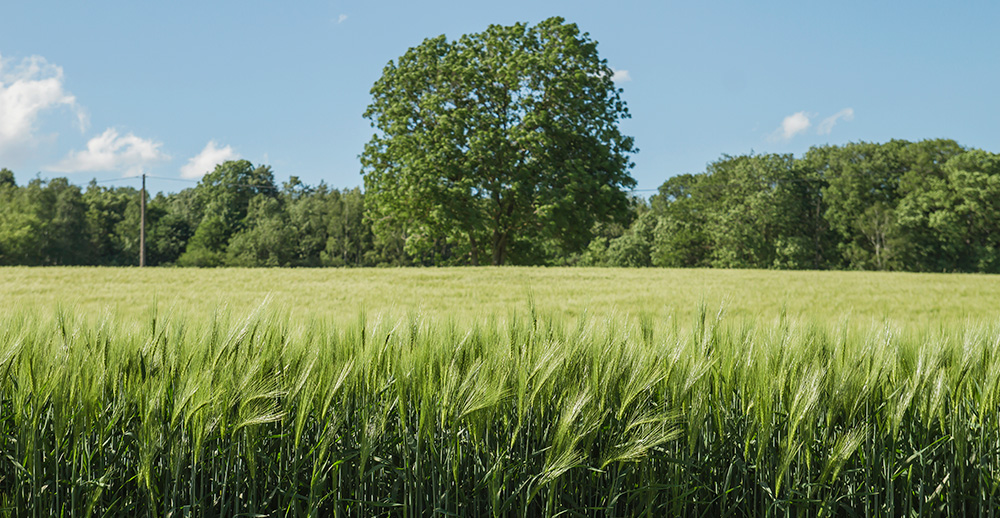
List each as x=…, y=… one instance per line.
x=503, y=392
x=473, y=293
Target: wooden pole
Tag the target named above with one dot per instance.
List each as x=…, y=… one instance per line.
x=142, y=223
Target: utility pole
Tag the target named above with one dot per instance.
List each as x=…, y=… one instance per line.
x=142, y=223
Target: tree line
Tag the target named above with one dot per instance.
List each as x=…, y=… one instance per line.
x=932, y=205
x=236, y=216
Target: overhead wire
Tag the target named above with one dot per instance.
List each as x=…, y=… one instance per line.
x=275, y=188
x=186, y=180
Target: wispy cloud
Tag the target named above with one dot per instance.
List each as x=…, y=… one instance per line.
x=341, y=18
x=825, y=127
x=621, y=76
x=793, y=125
x=206, y=161
x=110, y=151
x=27, y=89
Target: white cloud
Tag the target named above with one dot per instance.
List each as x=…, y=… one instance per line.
x=110, y=151
x=28, y=88
x=206, y=161
x=341, y=18
x=621, y=76
x=793, y=125
x=825, y=127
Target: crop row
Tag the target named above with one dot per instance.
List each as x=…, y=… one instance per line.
x=520, y=415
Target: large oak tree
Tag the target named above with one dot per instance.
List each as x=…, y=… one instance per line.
x=501, y=142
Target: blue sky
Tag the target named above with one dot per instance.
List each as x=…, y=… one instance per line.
x=107, y=90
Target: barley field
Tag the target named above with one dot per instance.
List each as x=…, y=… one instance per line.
x=468, y=294
x=497, y=392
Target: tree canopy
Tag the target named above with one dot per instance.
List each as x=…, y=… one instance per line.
x=932, y=205
x=500, y=146
x=928, y=206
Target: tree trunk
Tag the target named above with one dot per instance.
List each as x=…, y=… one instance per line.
x=499, y=237
x=475, y=249
x=499, y=247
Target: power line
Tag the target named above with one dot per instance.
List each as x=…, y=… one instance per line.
x=694, y=186
x=271, y=187
x=172, y=179
x=185, y=180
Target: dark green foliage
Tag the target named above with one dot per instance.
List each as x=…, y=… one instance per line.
x=112, y=219
x=930, y=206
x=43, y=222
x=6, y=178
x=168, y=231
x=680, y=238
x=924, y=206
x=223, y=197
x=625, y=244
x=234, y=217
x=500, y=147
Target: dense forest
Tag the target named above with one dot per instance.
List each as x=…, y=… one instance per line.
x=932, y=205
